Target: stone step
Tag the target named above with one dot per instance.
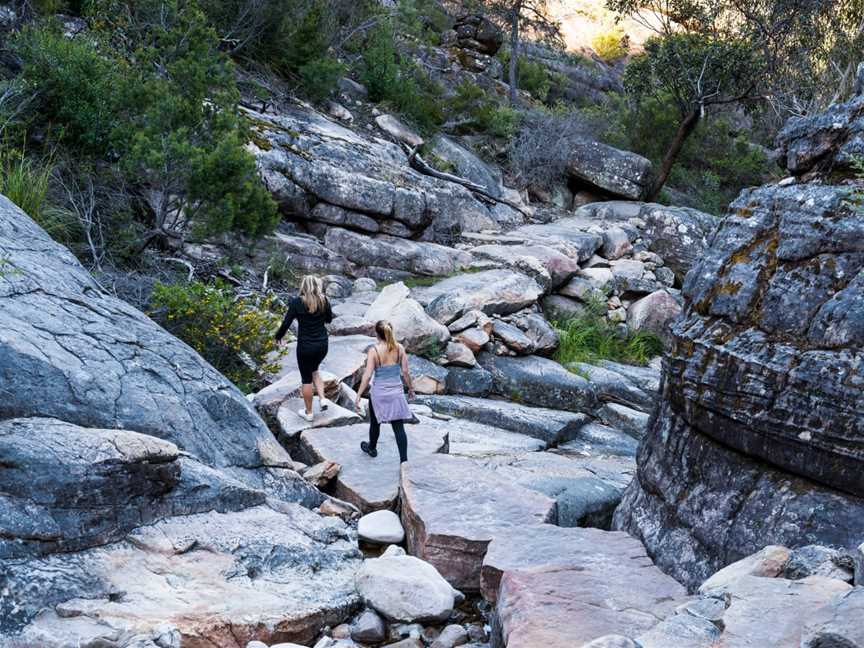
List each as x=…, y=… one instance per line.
x=367, y=483
x=548, y=425
x=452, y=508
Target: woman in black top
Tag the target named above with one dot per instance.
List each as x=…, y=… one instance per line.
x=312, y=312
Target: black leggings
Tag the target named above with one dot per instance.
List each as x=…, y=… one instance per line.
x=398, y=432
x=310, y=355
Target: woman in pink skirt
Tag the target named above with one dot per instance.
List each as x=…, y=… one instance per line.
x=388, y=362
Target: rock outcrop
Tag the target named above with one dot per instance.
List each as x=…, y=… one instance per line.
x=758, y=440
x=125, y=457
x=321, y=171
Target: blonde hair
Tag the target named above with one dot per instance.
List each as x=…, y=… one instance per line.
x=384, y=331
x=312, y=293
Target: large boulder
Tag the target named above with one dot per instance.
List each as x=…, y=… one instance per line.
x=760, y=430
x=827, y=141
x=68, y=487
x=620, y=173
x=405, y=588
x=452, y=509
x=411, y=325
x=551, y=426
x=477, y=32
x=394, y=253
x=558, y=265
x=126, y=457
x=494, y=292
x=537, y=381
x=72, y=352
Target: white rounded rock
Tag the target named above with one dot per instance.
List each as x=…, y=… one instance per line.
x=405, y=588
x=381, y=527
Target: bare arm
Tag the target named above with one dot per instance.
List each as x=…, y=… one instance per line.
x=406, y=375
x=367, y=376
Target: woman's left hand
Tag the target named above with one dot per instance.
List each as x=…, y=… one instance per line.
x=411, y=395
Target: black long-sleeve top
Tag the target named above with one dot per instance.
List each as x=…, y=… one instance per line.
x=311, y=327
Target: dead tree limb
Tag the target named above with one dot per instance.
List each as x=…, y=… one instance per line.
x=416, y=162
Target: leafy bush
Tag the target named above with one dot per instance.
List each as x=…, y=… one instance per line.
x=233, y=335
x=610, y=45
x=485, y=114
x=400, y=84
x=149, y=90
x=591, y=338
x=320, y=76
x=533, y=77
x=712, y=168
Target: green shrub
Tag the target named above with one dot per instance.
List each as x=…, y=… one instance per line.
x=149, y=90
x=80, y=89
x=712, y=168
x=233, y=335
x=610, y=45
x=486, y=114
x=591, y=338
x=532, y=76
x=402, y=85
x=319, y=77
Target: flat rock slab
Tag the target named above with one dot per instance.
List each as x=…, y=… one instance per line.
x=469, y=439
x=533, y=380
x=213, y=576
x=634, y=387
x=771, y=611
x=586, y=490
x=548, y=425
x=452, y=509
x=291, y=424
x=371, y=484
x=563, y=588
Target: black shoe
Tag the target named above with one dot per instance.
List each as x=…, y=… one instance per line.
x=365, y=447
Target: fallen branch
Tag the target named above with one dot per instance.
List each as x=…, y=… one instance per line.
x=417, y=163
x=188, y=265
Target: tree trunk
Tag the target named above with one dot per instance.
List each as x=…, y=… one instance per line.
x=685, y=129
x=514, y=52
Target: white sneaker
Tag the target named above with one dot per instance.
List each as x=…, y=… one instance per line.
x=324, y=403
x=302, y=413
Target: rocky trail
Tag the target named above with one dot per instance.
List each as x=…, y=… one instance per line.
x=712, y=498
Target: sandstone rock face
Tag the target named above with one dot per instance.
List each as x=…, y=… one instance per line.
x=538, y=381
x=677, y=464
x=309, y=158
x=126, y=458
x=452, y=509
x=202, y=575
x=67, y=487
x=68, y=351
x=561, y=588
x=762, y=366
x=837, y=623
x=824, y=140
x=548, y=425
x=394, y=253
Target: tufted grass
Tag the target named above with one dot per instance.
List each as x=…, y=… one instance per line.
x=590, y=338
